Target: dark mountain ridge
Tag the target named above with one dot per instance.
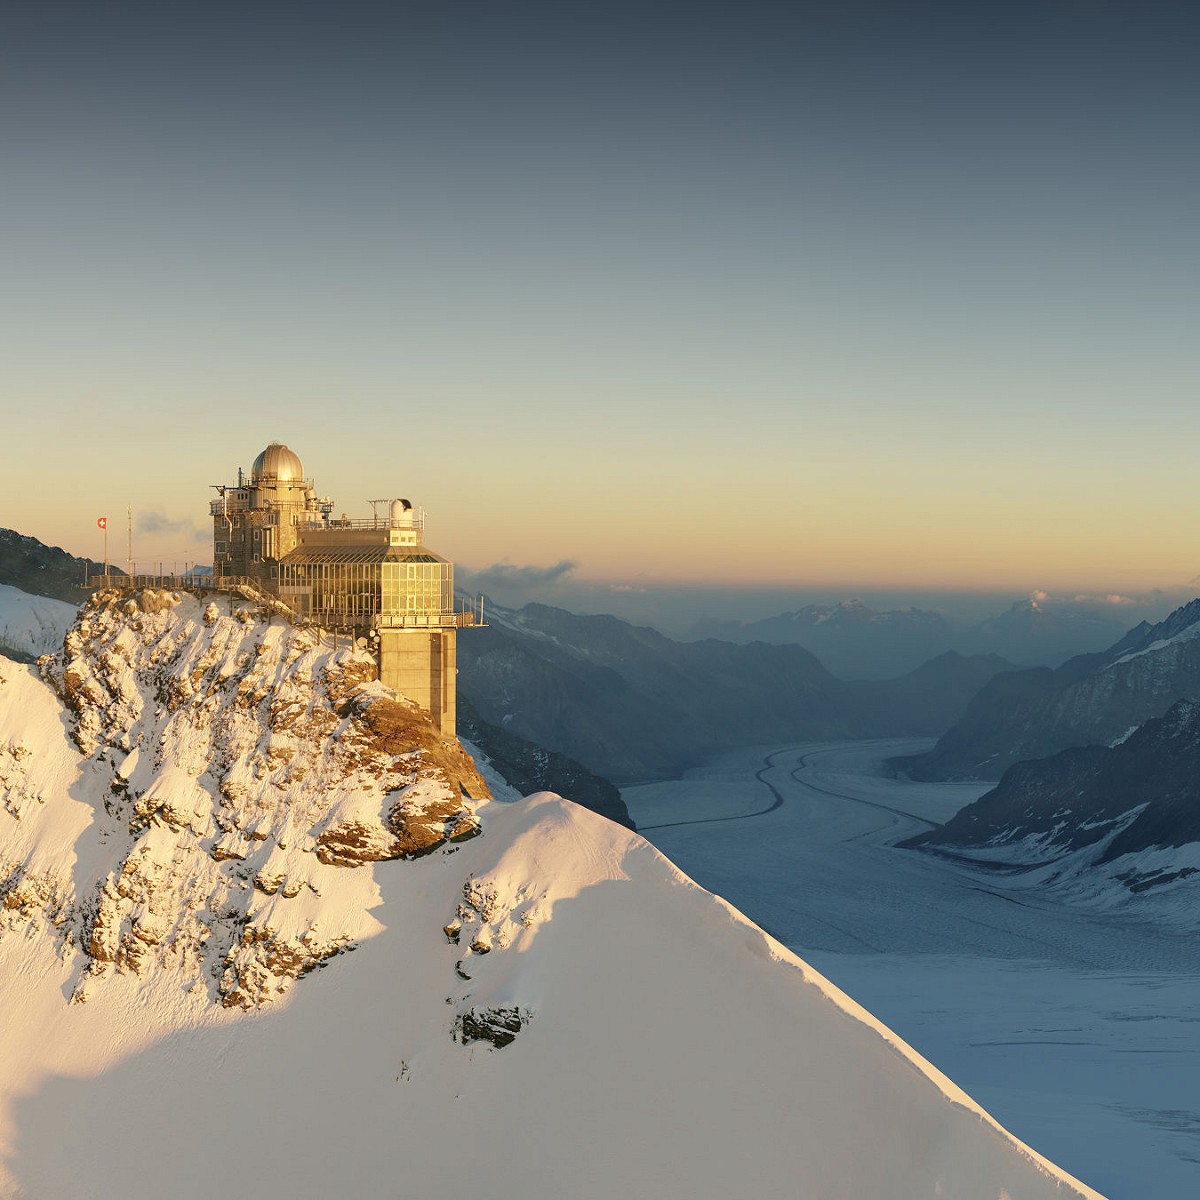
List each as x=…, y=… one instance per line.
x=631, y=704
x=43, y=570
x=530, y=768
x=1141, y=794
x=1091, y=700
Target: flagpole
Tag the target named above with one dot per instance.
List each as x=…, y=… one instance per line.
x=130, y=516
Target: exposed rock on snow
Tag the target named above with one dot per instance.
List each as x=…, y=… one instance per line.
x=234, y=766
x=499, y=1026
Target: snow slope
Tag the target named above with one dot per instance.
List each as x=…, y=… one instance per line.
x=1075, y=1026
x=31, y=625
x=658, y=1043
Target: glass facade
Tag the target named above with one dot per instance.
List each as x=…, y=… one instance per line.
x=417, y=584
x=363, y=588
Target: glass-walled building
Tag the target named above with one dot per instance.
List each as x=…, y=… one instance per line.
x=367, y=586
x=373, y=577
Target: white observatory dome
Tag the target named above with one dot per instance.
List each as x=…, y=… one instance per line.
x=277, y=464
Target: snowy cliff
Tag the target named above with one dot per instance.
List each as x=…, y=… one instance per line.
x=31, y=625
x=200, y=806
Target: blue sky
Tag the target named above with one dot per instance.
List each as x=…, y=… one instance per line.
x=892, y=296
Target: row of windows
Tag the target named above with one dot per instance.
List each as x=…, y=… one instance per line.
x=359, y=591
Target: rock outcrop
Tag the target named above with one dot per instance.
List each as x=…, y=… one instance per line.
x=237, y=769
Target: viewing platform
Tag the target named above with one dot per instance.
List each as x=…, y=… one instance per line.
x=190, y=582
x=470, y=616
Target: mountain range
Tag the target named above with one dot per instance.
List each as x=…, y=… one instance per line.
x=632, y=704
x=856, y=641
x=41, y=570
x=1091, y=700
x=596, y=697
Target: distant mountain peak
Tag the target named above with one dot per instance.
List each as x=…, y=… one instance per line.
x=1091, y=700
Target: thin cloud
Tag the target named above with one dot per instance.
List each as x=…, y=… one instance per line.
x=1110, y=599
x=505, y=575
x=156, y=522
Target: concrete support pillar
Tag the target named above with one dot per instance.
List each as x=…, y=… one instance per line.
x=422, y=664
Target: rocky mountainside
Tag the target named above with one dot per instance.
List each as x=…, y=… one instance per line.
x=1091, y=700
x=1129, y=813
x=530, y=768
x=221, y=777
x=631, y=704
x=199, y=806
x=42, y=570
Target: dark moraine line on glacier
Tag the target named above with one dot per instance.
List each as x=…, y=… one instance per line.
x=768, y=763
x=805, y=761
x=887, y=808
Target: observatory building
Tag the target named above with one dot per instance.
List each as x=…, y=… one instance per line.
x=373, y=578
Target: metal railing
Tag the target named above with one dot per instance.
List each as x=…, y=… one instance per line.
x=305, y=519
x=190, y=582
x=382, y=524
x=250, y=588
x=443, y=620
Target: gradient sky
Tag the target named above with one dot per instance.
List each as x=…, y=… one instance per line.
x=830, y=295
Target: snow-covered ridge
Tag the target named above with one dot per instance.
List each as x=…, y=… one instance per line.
x=226, y=772
x=1184, y=635
x=32, y=625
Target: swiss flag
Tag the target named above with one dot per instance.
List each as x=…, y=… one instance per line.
x=102, y=522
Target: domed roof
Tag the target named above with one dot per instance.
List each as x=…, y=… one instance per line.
x=277, y=464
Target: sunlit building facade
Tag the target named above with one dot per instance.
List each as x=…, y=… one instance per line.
x=374, y=578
